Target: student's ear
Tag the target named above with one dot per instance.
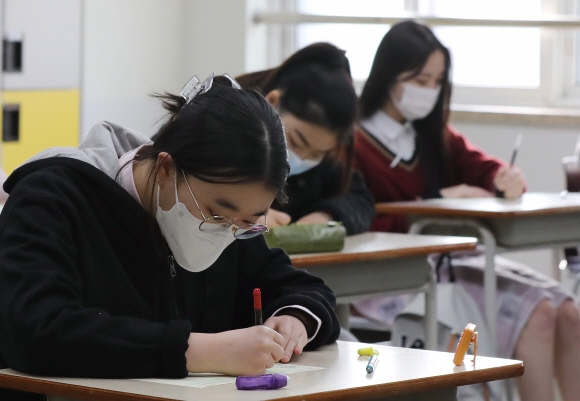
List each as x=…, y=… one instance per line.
x=273, y=97
x=165, y=168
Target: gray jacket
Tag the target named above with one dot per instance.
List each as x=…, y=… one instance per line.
x=105, y=143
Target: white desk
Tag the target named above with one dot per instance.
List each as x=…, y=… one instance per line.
x=536, y=220
x=401, y=374
x=376, y=264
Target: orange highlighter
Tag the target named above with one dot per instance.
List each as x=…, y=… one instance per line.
x=468, y=336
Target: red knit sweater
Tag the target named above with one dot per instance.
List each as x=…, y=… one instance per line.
x=406, y=181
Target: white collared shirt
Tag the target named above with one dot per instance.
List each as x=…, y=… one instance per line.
x=126, y=178
x=398, y=138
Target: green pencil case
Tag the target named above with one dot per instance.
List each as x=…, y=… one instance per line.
x=307, y=238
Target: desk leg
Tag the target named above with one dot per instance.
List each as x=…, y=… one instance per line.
x=343, y=315
x=557, y=256
x=431, y=310
x=489, y=276
x=490, y=285
x=441, y=394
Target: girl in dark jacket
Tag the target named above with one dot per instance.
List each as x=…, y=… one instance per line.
x=128, y=258
x=312, y=90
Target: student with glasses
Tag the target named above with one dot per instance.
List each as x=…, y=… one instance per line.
x=128, y=258
x=312, y=90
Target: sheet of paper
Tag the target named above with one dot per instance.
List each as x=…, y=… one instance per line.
x=207, y=380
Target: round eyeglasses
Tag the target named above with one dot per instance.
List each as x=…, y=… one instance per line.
x=215, y=224
x=222, y=223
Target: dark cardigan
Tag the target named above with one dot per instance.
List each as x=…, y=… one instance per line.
x=86, y=289
x=319, y=190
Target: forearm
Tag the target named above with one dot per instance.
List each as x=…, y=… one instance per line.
x=92, y=344
x=247, y=351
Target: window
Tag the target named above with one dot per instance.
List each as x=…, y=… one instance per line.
x=491, y=56
x=360, y=41
x=528, y=66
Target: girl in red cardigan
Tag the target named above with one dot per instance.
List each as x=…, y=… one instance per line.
x=406, y=150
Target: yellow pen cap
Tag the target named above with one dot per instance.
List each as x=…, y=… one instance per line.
x=368, y=351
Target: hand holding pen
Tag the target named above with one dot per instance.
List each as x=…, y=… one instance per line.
x=248, y=351
x=291, y=328
x=293, y=332
x=509, y=180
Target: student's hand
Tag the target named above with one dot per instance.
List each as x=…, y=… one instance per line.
x=511, y=181
x=465, y=191
x=277, y=218
x=236, y=352
x=293, y=332
x=315, y=218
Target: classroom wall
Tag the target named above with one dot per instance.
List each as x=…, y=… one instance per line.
x=134, y=47
x=130, y=48
x=216, y=36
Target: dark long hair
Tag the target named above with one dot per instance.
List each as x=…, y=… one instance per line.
x=225, y=135
x=406, y=47
x=316, y=86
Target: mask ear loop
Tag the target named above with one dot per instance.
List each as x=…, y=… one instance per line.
x=158, y=190
x=175, y=184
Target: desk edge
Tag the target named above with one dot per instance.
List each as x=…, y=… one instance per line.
x=417, y=210
x=40, y=386
x=413, y=386
x=340, y=258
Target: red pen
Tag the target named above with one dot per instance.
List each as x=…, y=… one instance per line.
x=257, y=307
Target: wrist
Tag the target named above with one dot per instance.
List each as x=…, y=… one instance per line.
x=315, y=218
x=307, y=321
x=202, y=354
x=325, y=216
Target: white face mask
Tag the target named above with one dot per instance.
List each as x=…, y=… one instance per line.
x=193, y=249
x=299, y=165
x=416, y=102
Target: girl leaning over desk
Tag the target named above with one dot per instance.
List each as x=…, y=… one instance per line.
x=313, y=93
x=406, y=150
x=116, y=260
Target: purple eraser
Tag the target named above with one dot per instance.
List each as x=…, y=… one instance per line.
x=264, y=382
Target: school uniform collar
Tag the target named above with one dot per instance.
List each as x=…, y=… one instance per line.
x=398, y=138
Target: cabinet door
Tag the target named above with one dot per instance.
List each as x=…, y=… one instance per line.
x=44, y=119
x=50, y=36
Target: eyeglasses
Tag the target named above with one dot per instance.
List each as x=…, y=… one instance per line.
x=214, y=224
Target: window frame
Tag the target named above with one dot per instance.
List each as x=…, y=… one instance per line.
x=558, y=55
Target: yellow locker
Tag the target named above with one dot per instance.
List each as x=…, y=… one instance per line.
x=45, y=119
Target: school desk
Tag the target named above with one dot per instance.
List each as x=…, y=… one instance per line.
x=401, y=374
x=536, y=220
x=376, y=264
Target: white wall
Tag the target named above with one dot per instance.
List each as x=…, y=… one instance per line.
x=215, y=37
x=134, y=47
x=130, y=48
